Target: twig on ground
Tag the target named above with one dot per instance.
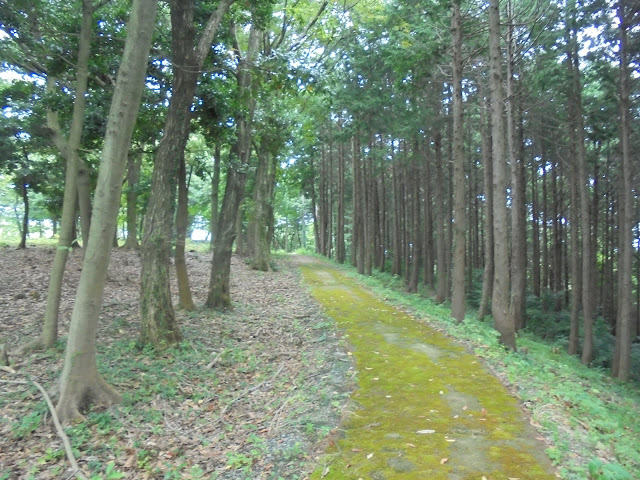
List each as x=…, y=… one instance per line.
x=276, y=418
x=56, y=422
x=247, y=392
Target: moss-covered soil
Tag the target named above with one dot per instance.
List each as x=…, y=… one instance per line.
x=424, y=408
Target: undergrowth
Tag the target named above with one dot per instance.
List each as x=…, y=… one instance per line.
x=589, y=419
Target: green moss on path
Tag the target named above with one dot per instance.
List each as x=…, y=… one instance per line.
x=423, y=407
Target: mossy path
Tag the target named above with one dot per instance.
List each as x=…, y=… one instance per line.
x=423, y=408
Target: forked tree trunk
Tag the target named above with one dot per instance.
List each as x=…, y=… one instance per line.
x=158, y=323
x=80, y=383
x=459, y=209
x=239, y=157
x=69, y=150
x=500, y=299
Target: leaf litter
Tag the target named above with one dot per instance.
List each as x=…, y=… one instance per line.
x=251, y=393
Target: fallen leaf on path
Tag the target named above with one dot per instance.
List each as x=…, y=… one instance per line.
x=410, y=445
x=443, y=461
x=425, y=432
x=369, y=456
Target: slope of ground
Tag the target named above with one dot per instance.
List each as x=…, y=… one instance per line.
x=250, y=394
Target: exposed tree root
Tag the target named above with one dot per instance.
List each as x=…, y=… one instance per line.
x=79, y=395
x=35, y=345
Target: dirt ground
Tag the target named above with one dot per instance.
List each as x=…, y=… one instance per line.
x=251, y=394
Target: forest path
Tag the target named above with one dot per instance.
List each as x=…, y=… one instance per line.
x=423, y=407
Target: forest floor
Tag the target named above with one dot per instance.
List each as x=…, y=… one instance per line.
x=254, y=393
x=260, y=392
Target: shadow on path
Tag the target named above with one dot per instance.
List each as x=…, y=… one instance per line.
x=423, y=408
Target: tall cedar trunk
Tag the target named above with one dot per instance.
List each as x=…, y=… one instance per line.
x=341, y=254
x=239, y=157
x=84, y=200
x=502, y=318
x=80, y=383
x=574, y=219
x=354, y=207
x=416, y=239
x=586, y=274
x=396, y=268
x=443, y=281
x=367, y=213
x=428, y=220
x=489, y=265
x=133, y=177
x=69, y=149
x=459, y=209
x=158, y=322
x=24, y=231
x=545, y=230
x=535, y=230
x=314, y=207
x=359, y=206
x=383, y=221
x=185, y=300
x=622, y=353
x=518, y=226
x=215, y=192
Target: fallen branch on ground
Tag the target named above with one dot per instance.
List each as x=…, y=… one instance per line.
x=56, y=422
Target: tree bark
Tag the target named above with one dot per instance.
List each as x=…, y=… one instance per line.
x=502, y=318
x=518, y=212
x=84, y=200
x=239, y=157
x=459, y=209
x=158, y=323
x=489, y=265
x=185, y=300
x=622, y=353
x=133, y=177
x=215, y=192
x=80, y=382
x=443, y=276
x=69, y=150
x=24, y=231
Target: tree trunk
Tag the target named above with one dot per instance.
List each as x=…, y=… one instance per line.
x=622, y=353
x=341, y=254
x=133, y=177
x=518, y=212
x=502, y=318
x=257, y=235
x=239, y=157
x=80, y=383
x=24, y=231
x=489, y=265
x=158, y=323
x=459, y=209
x=185, y=300
x=69, y=150
x=84, y=200
x=215, y=193
x=443, y=277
